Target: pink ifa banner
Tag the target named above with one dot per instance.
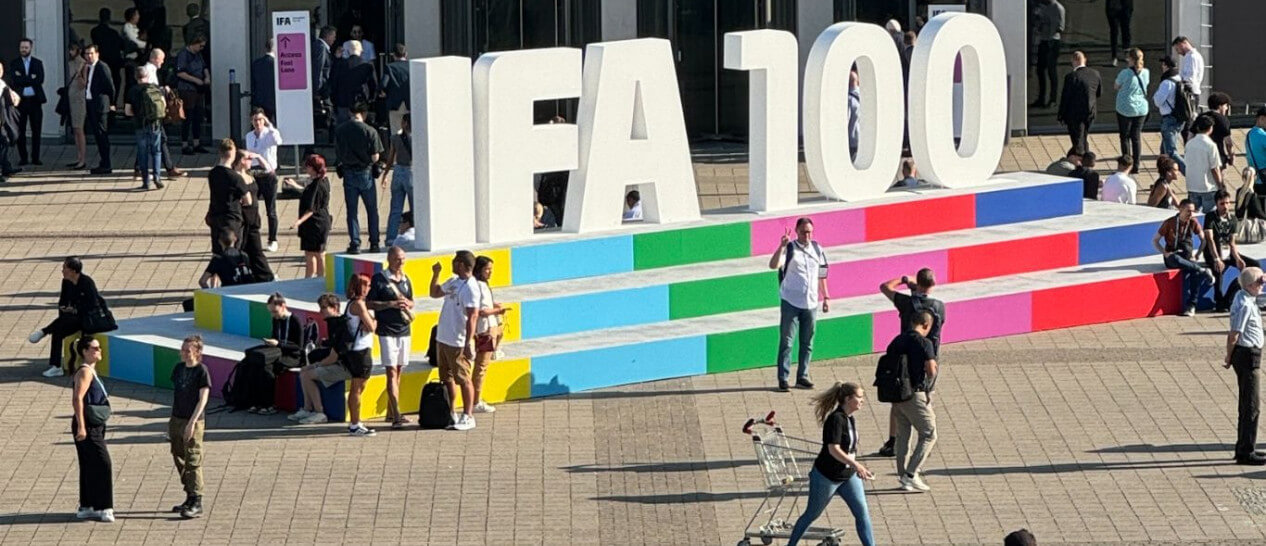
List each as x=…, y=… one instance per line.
x=292, y=62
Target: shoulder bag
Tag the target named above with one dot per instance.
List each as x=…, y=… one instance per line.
x=98, y=319
x=1138, y=76
x=96, y=415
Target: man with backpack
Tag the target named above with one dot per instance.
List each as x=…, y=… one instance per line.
x=1175, y=108
x=147, y=104
x=229, y=267
x=905, y=376
x=907, y=307
x=802, y=283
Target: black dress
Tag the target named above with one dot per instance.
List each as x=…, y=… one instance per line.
x=314, y=231
x=252, y=245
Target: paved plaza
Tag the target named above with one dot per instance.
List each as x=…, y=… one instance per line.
x=1117, y=433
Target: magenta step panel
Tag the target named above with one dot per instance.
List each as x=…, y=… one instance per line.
x=988, y=317
x=841, y=227
x=864, y=277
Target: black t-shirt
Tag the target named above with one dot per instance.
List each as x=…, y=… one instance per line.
x=231, y=266
x=250, y=213
x=1221, y=132
x=288, y=332
x=918, y=351
x=226, y=189
x=840, y=429
x=905, y=309
x=1223, y=228
x=391, y=321
x=187, y=381
x=355, y=143
x=1090, y=182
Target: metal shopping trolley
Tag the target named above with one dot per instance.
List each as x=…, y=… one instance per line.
x=776, y=454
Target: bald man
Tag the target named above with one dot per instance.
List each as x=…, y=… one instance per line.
x=1078, y=100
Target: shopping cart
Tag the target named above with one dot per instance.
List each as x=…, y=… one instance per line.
x=776, y=454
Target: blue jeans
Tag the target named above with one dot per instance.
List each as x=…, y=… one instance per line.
x=359, y=185
x=1203, y=201
x=1171, y=129
x=820, y=492
x=807, y=319
x=149, y=153
x=1193, y=278
x=401, y=189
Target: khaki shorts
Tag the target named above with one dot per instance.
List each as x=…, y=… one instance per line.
x=482, y=359
x=452, y=363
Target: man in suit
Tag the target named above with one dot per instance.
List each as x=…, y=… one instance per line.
x=263, y=78
x=27, y=79
x=100, y=97
x=351, y=81
x=322, y=60
x=1078, y=101
x=395, y=87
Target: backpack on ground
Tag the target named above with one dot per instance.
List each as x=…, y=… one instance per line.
x=234, y=389
x=892, y=378
x=791, y=251
x=435, y=409
x=153, y=107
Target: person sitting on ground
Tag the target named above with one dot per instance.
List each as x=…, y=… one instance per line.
x=1162, y=195
x=1220, y=250
x=909, y=174
x=1065, y=166
x=78, y=296
x=228, y=268
x=1089, y=176
x=1120, y=187
x=407, y=235
x=1179, y=251
x=633, y=206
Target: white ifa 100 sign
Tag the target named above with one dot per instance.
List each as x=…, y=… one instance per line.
x=478, y=148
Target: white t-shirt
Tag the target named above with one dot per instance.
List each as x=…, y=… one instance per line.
x=799, y=286
x=634, y=214
x=486, y=301
x=459, y=295
x=1202, y=157
x=1120, y=188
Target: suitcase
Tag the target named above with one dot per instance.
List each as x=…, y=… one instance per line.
x=435, y=409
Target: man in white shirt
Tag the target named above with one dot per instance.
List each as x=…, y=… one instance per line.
x=1191, y=68
x=263, y=140
x=455, y=332
x=633, y=206
x=801, y=284
x=1120, y=188
x=1204, y=173
x=1165, y=98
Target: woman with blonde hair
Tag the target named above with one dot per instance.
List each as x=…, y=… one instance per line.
x=1131, y=105
x=837, y=471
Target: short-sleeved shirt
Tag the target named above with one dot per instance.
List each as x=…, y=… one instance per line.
x=1201, y=155
x=1255, y=149
x=486, y=301
x=1173, y=233
x=226, y=189
x=1132, y=96
x=1120, y=188
x=905, y=310
x=459, y=295
x=187, y=381
x=1221, y=132
x=1223, y=228
x=355, y=143
x=1247, y=320
x=192, y=64
x=231, y=266
x=391, y=321
x=799, y=285
x=918, y=350
x=839, y=428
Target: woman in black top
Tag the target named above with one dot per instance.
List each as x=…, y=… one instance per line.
x=836, y=470
x=314, y=217
x=78, y=296
x=251, y=244
x=96, y=485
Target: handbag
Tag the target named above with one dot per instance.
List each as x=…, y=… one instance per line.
x=487, y=341
x=96, y=415
x=98, y=319
x=175, y=108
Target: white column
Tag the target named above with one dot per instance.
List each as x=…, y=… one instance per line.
x=619, y=20
x=812, y=17
x=44, y=26
x=421, y=29
x=1012, y=23
x=230, y=22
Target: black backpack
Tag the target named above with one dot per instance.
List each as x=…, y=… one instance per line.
x=435, y=409
x=1183, y=109
x=234, y=390
x=892, y=378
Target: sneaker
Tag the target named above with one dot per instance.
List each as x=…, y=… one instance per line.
x=804, y=383
x=782, y=386
x=106, y=516
x=299, y=415
x=272, y=246
x=54, y=371
x=192, y=510
x=484, y=407
x=1189, y=312
x=353, y=250
x=889, y=449
x=158, y=183
x=914, y=483
x=360, y=429
x=267, y=411
x=253, y=409
x=85, y=513
x=466, y=422
x=397, y=424
x=315, y=419
x=35, y=336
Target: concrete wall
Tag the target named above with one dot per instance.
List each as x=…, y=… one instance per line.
x=230, y=21
x=1010, y=18
x=422, y=28
x=619, y=20
x=44, y=25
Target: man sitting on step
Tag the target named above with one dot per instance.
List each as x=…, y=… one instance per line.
x=1179, y=251
x=1220, y=250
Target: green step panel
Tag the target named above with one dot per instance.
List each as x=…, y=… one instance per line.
x=692, y=245
x=165, y=360
x=723, y=295
x=261, y=320
x=835, y=337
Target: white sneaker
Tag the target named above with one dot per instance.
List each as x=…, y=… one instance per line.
x=914, y=484
x=272, y=247
x=35, y=336
x=106, y=516
x=53, y=372
x=315, y=419
x=484, y=407
x=360, y=430
x=1189, y=312
x=466, y=422
x=86, y=513
x=299, y=415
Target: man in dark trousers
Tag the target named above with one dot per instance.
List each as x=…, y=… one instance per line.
x=351, y=81
x=1244, y=353
x=263, y=76
x=908, y=306
x=100, y=96
x=1078, y=101
x=395, y=87
x=26, y=76
x=226, y=189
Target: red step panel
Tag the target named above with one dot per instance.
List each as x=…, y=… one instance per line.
x=1009, y=257
x=920, y=217
x=1108, y=301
